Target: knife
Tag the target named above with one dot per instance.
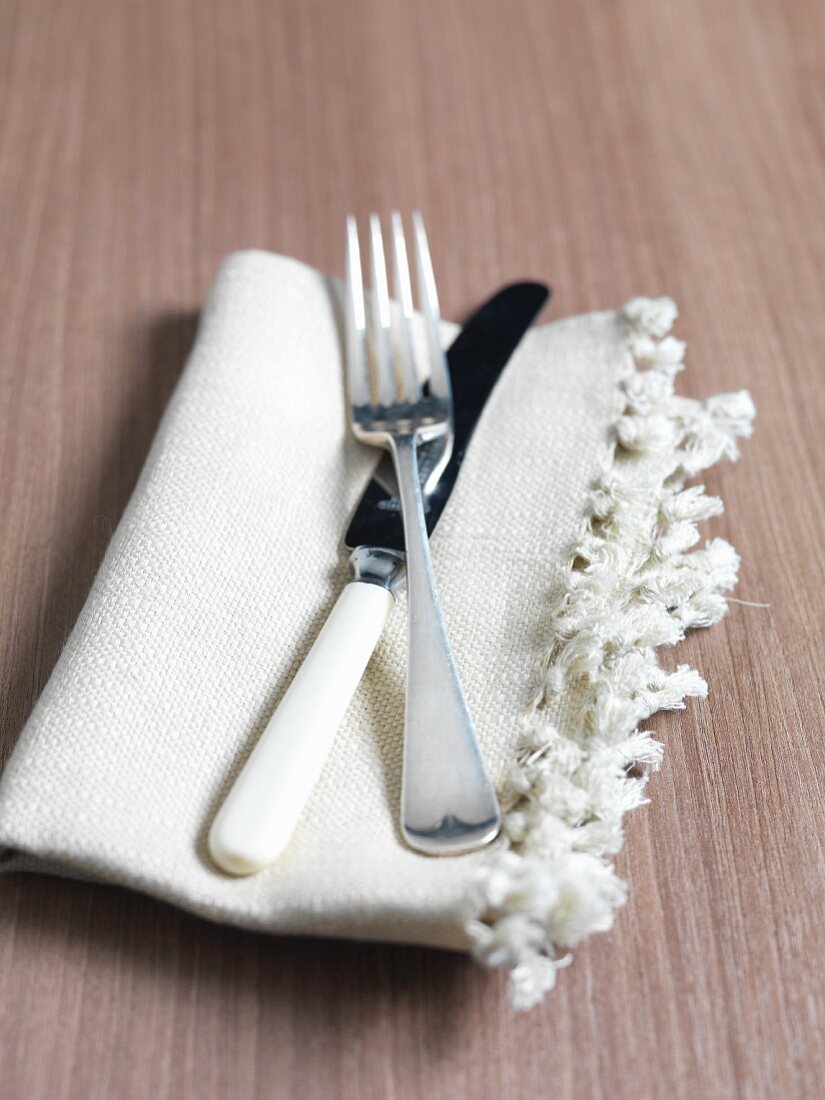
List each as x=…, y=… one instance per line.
x=258, y=817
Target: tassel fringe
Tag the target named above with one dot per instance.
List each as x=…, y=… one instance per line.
x=634, y=582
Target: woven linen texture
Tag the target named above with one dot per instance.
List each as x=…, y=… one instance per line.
x=220, y=574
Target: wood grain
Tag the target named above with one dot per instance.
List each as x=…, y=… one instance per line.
x=613, y=148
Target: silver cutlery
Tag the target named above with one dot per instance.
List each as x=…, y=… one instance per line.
x=448, y=804
x=259, y=815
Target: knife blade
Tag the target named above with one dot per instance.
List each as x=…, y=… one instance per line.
x=258, y=817
x=475, y=360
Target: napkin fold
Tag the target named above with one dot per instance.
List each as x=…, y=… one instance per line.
x=563, y=559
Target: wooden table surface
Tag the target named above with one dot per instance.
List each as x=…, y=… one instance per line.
x=616, y=148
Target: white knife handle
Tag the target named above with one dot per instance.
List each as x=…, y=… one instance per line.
x=255, y=823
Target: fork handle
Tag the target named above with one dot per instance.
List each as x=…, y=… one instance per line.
x=448, y=804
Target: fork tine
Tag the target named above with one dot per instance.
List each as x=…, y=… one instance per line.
x=382, y=338
x=439, y=378
x=403, y=294
x=356, y=321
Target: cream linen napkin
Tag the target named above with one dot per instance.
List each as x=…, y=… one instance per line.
x=224, y=566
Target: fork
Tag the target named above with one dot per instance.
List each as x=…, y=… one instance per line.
x=448, y=804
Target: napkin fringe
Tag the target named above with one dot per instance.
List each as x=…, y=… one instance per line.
x=631, y=584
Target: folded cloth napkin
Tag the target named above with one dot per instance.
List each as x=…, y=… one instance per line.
x=562, y=561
